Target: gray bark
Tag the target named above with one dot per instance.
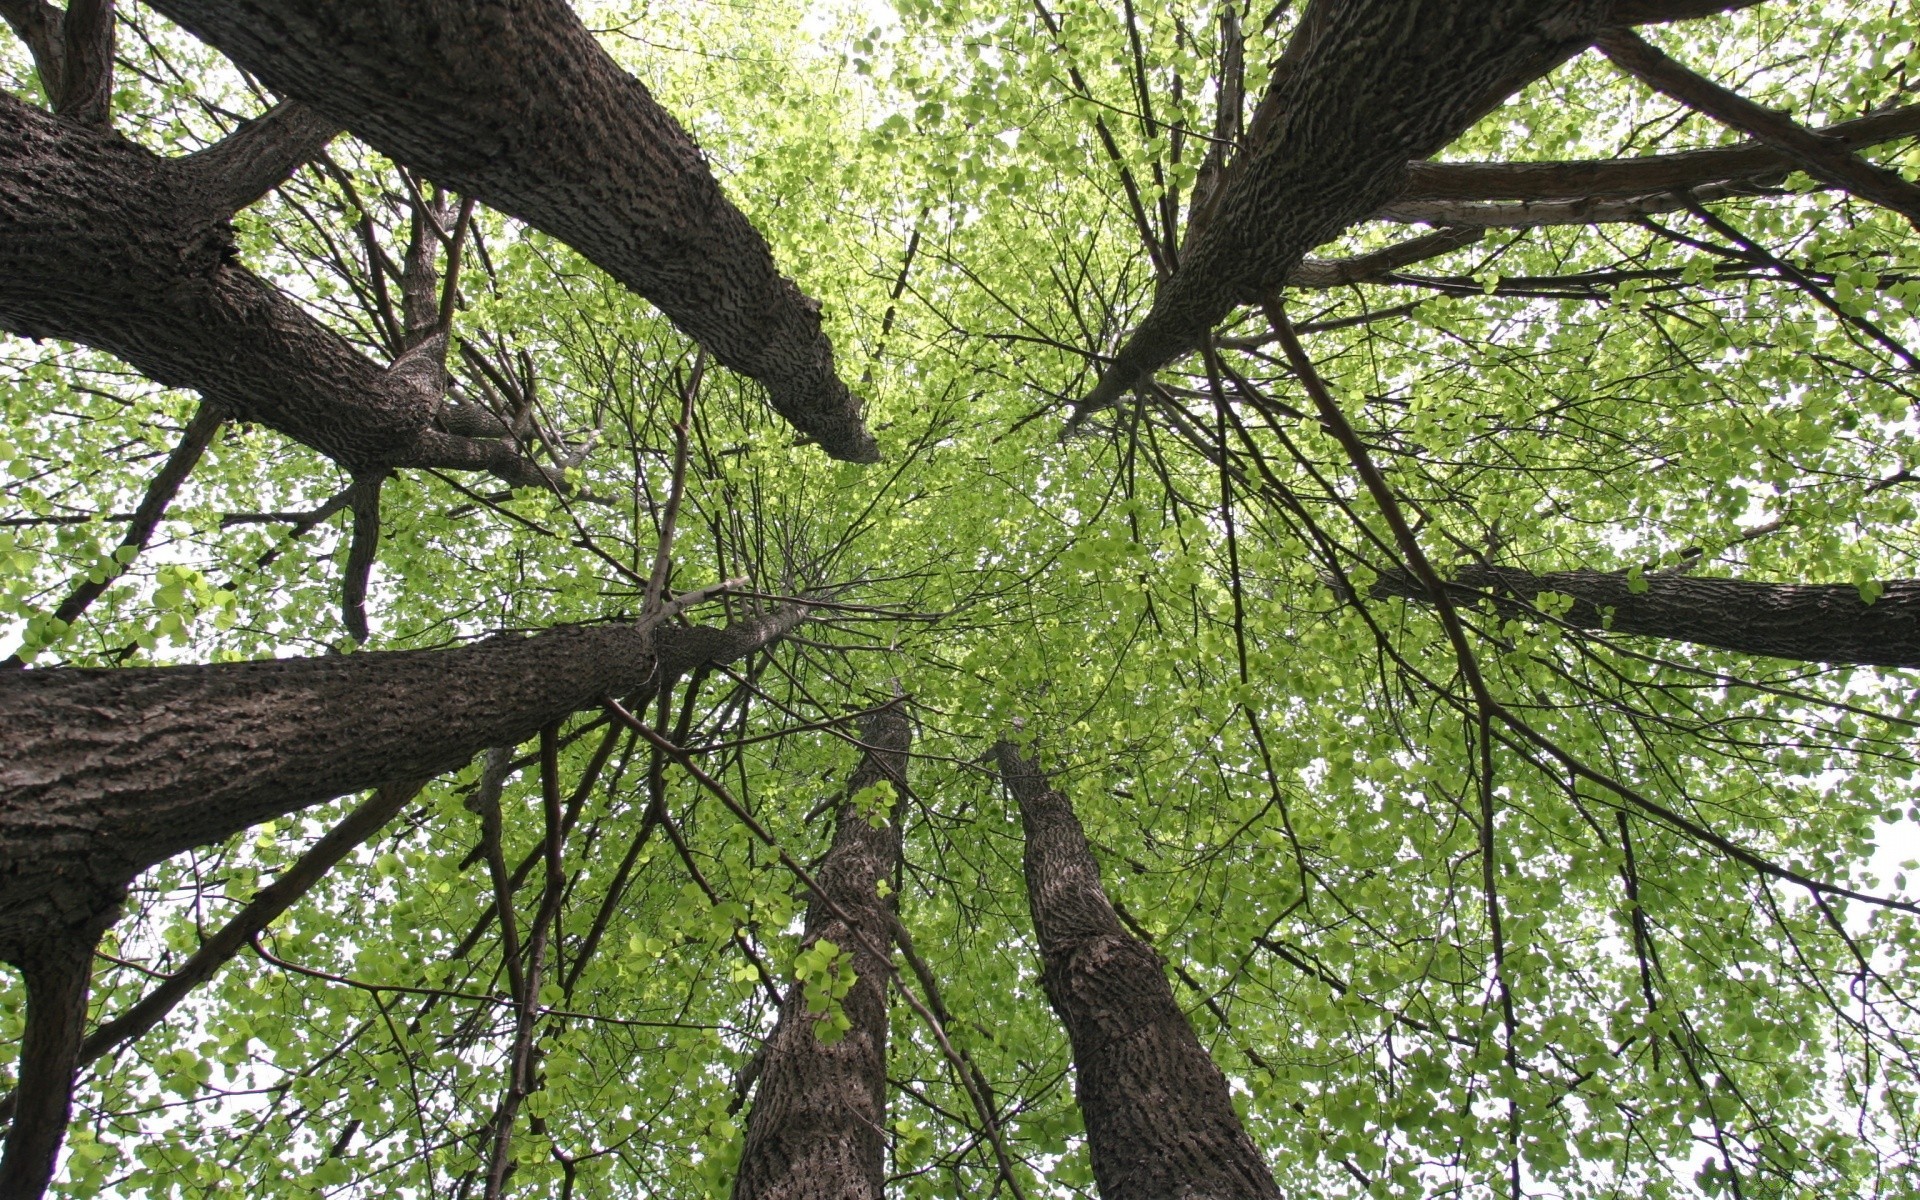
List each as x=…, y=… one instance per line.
x=106, y=244
x=1160, y=1123
x=109, y=771
x=1805, y=622
x=817, y=1128
x=516, y=105
x=1363, y=87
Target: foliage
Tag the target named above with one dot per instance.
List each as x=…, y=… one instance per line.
x=1284, y=784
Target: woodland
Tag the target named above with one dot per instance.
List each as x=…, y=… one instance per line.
x=845, y=599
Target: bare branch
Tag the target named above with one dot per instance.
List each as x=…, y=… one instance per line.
x=153, y=506
x=1818, y=156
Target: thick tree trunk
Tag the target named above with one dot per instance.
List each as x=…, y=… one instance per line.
x=515, y=104
x=817, y=1129
x=1363, y=87
x=1808, y=622
x=1159, y=1121
x=109, y=771
x=109, y=245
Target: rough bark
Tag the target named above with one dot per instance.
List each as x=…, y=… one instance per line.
x=1363, y=87
x=109, y=245
x=1809, y=151
x=1806, y=622
x=220, y=947
x=1560, y=180
x=57, y=971
x=817, y=1127
x=110, y=771
x=515, y=104
x=1160, y=1123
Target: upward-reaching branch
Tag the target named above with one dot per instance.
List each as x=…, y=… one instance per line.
x=1160, y=1122
x=1363, y=87
x=85, y=95
x=818, y=1119
x=37, y=23
x=518, y=106
x=1817, y=155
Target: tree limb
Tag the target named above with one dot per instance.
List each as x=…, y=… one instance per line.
x=218, y=949
x=260, y=155
x=85, y=95
x=1363, y=87
x=519, y=107
x=206, y=422
x=1811, y=152
x=37, y=23
x=57, y=974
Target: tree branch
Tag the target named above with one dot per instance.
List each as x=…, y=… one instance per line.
x=85, y=96
x=37, y=23
x=259, y=156
x=1818, y=156
x=529, y=114
x=199, y=434
x=362, y=550
x=57, y=974
x=217, y=950
x=1563, y=180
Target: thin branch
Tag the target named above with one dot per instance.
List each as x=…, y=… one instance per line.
x=153, y=506
x=267, y=904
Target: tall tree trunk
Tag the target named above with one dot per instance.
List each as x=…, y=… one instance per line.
x=1363, y=87
x=109, y=771
x=817, y=1129
x=515, y=104
x=1159, y=1121
x=1826, y=622
x=105, y=243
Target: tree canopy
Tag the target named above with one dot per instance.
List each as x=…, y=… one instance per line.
x=1423, y=491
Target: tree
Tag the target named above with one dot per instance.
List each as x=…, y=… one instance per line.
x=819, y=1108
x=1482, y=892
x=1159, y=1120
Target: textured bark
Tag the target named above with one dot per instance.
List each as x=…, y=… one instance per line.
x=109, y=245
x=57, y=972
x=219, y=947
x=817, y=1128
x=1363, y=87
x=1160, y=1123
x=1636, y=176
x=1812, y=153
x=109, y=771
x=1379, y=265
x=1807, y=622
x=514, y=103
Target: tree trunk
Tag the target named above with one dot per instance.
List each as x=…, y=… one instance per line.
x=518, y=106
x=1808, y=622
x=107, y=244
x=1363, y=87
x=1159, y=1121
x=110, y=771
x=817, y=1128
